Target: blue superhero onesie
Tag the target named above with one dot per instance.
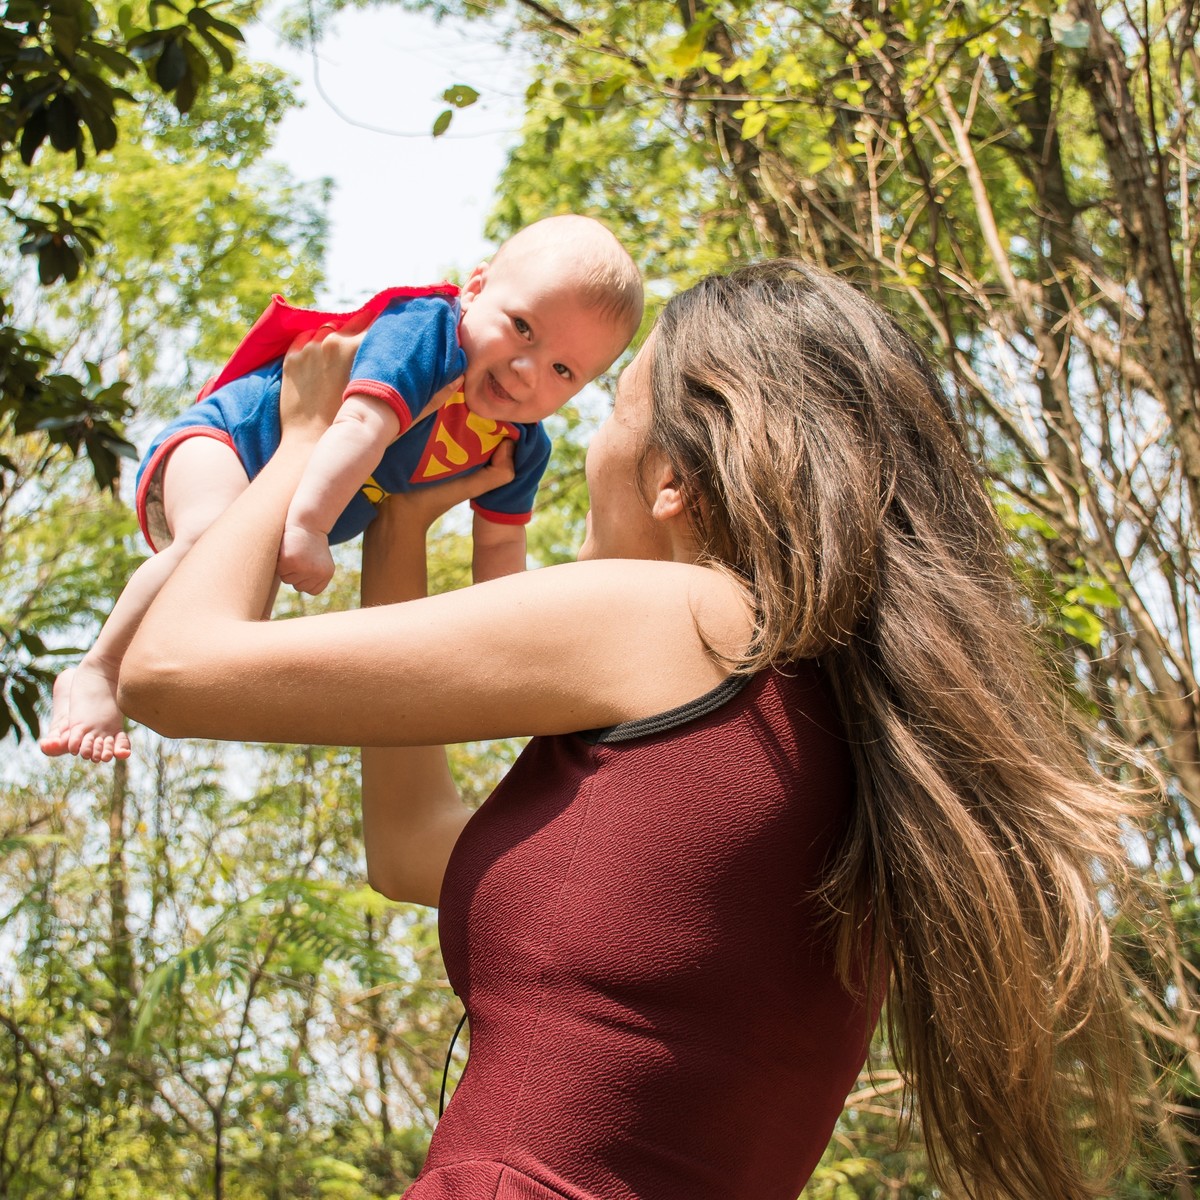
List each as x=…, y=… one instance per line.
x=408, y=354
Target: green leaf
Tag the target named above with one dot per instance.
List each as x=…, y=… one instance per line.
x=146, y=46
x=65, y=28
x=684, y=55
x=63, y=121
x=753, y=124
x=103, y=130
x=225, y=29
x=198, y=66
x=155, y=5
x=222, y=52
x=172, y=66
x=1096, y=593
x=1082, y=624
x=25, y=695
x=33, y=135
x=20, y=12
x=31, y=642
x=55, y=260
x=820, y=155
x=443, y=122
x=460, y=95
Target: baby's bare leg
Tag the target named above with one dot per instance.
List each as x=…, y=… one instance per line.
x=201, y=479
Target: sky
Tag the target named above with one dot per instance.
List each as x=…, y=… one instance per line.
x=386, y=68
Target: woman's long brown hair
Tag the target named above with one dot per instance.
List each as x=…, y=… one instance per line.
x=823, y=466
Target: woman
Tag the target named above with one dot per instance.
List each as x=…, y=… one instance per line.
x=818, y=763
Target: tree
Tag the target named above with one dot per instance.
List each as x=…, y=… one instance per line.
x=60, y=76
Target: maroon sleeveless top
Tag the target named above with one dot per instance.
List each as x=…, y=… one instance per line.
x=629, y=922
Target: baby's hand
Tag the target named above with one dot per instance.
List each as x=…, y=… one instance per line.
x=304, y=559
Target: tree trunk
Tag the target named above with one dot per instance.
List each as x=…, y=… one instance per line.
x=120, y=967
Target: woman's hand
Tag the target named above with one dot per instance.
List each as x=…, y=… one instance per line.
x=394, y=544
x=316, y=370
x=422, y=506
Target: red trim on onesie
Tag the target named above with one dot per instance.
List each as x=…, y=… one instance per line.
x=159, y=460
x=378, y=390
x=499, y=518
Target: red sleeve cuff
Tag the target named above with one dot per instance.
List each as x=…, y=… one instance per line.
x=384, y=392
x=500, y=518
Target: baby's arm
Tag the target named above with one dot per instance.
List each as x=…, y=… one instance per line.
x=498, y=549
x=349, y=450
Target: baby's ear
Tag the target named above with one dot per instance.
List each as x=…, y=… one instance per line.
x=474, y=284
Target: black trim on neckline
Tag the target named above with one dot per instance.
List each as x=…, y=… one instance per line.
x=626, y=731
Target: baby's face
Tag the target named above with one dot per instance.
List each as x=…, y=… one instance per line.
x=530, y=343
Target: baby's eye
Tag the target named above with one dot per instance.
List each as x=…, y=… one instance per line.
x=564, y=371
x=521, y=326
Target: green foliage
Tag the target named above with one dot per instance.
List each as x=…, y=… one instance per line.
x=63, y=70
x=66, y=67
x=173, y=48
x=272, y=986
x=305, y=923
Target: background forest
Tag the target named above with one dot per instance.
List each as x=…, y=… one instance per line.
x=199, y=997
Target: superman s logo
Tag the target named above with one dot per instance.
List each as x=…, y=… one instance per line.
x=459, y=440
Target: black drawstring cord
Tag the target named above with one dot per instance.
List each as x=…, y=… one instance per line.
x=446, y=1069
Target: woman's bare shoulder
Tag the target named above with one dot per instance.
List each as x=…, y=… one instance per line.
x=676, y=601
x=653, y=634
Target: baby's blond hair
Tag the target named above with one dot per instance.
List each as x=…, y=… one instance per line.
x=587, y=253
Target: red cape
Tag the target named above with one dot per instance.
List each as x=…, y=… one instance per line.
x=275, y=330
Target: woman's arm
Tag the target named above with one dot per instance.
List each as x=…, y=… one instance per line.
x=547, y=651
x=412, y=813
x=496, y=550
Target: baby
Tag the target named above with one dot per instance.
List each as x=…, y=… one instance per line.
x=441, y=378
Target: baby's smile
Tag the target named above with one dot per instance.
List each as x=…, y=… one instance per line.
x=497, y=391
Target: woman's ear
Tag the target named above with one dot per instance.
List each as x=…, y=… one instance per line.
x=668, y=499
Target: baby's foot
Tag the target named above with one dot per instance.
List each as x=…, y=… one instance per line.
x=95, y=726
x=54, y=741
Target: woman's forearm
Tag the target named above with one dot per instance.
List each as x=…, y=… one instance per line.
x=412, y=813
x=227, y=577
